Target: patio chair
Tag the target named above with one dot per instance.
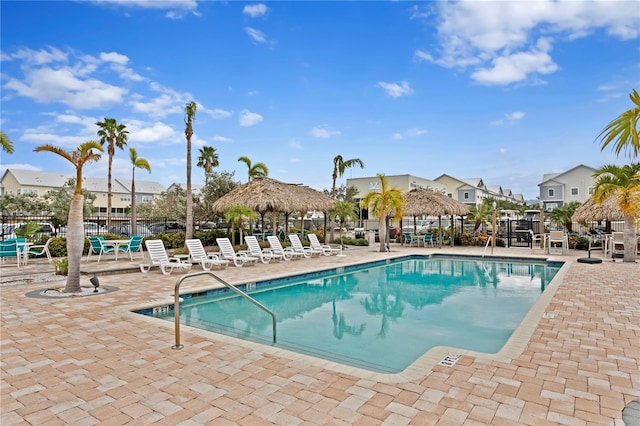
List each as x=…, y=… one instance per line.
x=326, y=249
x=617, y=244
x=536, y=240
x=265, y=254
x=297, y=247
x=134, y=246
x=158, y=257
x=39, y=250
x=198, y=255
x=430, y=239
x=276, y=247
x=9, y=249
x=227, y=252
x=557, y=237
x=97, y=247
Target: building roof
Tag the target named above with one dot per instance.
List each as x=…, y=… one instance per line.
x=554, y=176
x=38, y=178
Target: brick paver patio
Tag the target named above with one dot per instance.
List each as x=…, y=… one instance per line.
x=89, y=360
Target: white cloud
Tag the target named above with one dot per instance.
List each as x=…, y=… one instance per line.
x=502, y=41
x=396, y=90
x=143, y=132
x=397, y=136
x=324, y=132
x=295, y=144
x=114, y=57
x=510, y=118
x=295, y=160
x=38, y=57
x=255, y=10
x=248, y=118
x=62, y=85
x=256, y=35
x=416, y=132
x=176, y=8
x=221, y=139
x=217, y=113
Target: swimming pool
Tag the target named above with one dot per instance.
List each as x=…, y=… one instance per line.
x=380, y=316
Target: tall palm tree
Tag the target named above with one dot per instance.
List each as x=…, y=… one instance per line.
x=257, y=169
x=208, y=159
x=383, y=204
x=624, y=182
x=5, y=142
x=140, y=163
x=340, y=165
x=82, y=155
x=114, y=135
x=190, y=115
x=624, y=130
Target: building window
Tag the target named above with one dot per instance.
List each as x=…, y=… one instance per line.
x=590, y=190
x=125, y=198
x=552, y=193
x=574, y=191
x=147, y=198
x=466, y=196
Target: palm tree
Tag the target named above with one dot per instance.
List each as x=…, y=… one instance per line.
x=623, y=182
x=258, y=169
x=82, y=155
x=340, y=165
x=236, y=215
x=114, y=135
x=383, y=204
x=190, y=115
x=7, y=145
x=344, y=210
x=139, y=163
x=208, y=159
x=562, y=216
x=624, y=130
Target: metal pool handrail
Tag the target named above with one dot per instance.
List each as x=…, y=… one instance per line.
x=176, y=303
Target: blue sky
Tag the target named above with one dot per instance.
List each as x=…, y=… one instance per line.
x=504, y=91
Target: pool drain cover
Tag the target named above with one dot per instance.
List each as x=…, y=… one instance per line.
x=450, y=360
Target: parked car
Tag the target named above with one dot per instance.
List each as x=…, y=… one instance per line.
x=167, y=227
x=90, y=228
x=124, y=230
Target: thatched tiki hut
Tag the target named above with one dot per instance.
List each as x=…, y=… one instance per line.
x=265, y=195
x=420, y=201
x=590, y=211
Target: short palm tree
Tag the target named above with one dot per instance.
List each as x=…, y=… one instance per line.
x=384, y=204
x=344, y=210
x=114, y=135
x=139, y=163
x=340, y=165
x=208, y=159
x=5, y=142
x=83, y=154
x=624, y=130
x=623, y=182
x=189, y=116
x=257, y=169
x=237, y=215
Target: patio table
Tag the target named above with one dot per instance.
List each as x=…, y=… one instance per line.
x=117, y=244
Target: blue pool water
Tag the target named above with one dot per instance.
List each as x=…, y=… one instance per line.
x=381, y=316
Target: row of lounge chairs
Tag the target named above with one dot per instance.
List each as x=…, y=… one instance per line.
x=197, y=255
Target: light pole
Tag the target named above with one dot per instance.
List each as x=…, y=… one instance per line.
x=493, y=227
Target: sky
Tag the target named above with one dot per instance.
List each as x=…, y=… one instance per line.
x=506, y=91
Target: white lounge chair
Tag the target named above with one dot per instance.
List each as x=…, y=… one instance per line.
x=326, y=249
x=557, y=237
x=265, y=254
x=297, y=247
x=276, y=247
x=227, y=252
x=198, y=255
x=158, y=257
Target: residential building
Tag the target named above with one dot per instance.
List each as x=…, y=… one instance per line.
x=19, y=181
x=558, y=189
x=473, y=191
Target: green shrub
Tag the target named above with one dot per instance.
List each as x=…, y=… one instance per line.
x=61, y=266
x=58, y=246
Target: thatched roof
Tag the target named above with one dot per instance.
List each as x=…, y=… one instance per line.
x=264, y=194
x=589, y=211
x=420, y=201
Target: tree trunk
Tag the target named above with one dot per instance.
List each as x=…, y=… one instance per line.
x=382, y=231
x=75, y=243
x=134, y=225
x=630, y=240
x=189, y=218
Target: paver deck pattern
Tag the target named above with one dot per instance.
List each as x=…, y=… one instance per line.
x=89, y=360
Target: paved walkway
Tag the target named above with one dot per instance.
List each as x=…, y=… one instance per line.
x=89, y=360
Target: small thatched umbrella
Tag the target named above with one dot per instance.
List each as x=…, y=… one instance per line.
x=590, y=211
x=420, y=201
x=265, y=195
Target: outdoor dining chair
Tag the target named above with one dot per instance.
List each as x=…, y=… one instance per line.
x=9, y=249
